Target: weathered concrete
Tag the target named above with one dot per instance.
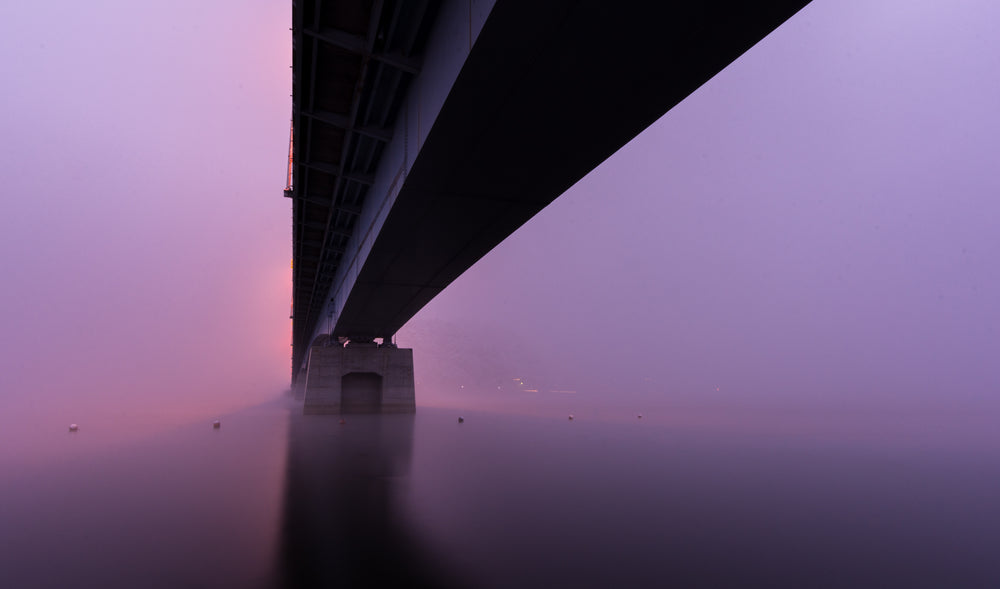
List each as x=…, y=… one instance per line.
x=359, y=378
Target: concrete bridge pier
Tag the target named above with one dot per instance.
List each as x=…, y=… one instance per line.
x=359, y=377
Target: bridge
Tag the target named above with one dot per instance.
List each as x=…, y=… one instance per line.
x=425, y=132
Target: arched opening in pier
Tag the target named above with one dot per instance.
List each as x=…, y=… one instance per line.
x=361, y=392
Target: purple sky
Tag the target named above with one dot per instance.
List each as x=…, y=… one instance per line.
x=145, y=254
x=817, y=226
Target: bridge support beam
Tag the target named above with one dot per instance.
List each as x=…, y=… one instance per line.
x=359, y=378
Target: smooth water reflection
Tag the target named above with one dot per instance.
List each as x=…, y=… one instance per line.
x=344, y=519
x=277, y=499
x=190, y=507
x=545, y=502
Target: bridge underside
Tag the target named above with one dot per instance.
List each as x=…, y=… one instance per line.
x=353, y=62
x=549, y=91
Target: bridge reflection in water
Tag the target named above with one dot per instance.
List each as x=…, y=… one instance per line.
x=344, y=525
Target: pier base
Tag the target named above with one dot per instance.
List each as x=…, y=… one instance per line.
x=359, y=378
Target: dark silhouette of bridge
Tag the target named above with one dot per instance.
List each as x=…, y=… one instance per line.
x=426, y=132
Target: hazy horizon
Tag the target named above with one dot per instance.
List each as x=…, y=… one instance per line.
x=813, y=228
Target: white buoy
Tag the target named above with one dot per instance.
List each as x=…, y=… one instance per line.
x=461, y=420
x=216, y=424
x=73, y=427
x=571, y=417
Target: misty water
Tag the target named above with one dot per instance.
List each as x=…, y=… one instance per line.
x=277, y=499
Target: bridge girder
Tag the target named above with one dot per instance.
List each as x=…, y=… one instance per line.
x=547, y=92
x=352, y=63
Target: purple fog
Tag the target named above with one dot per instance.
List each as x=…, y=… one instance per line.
x=806, y=246
x=812, y=229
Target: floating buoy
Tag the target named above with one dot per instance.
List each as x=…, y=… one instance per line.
x=216, y=424
x=342, y=421
x=73, y=427
x=461, y=420
x=640, y=416
x=571, y=417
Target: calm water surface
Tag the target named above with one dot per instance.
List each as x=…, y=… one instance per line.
x=275, y=499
